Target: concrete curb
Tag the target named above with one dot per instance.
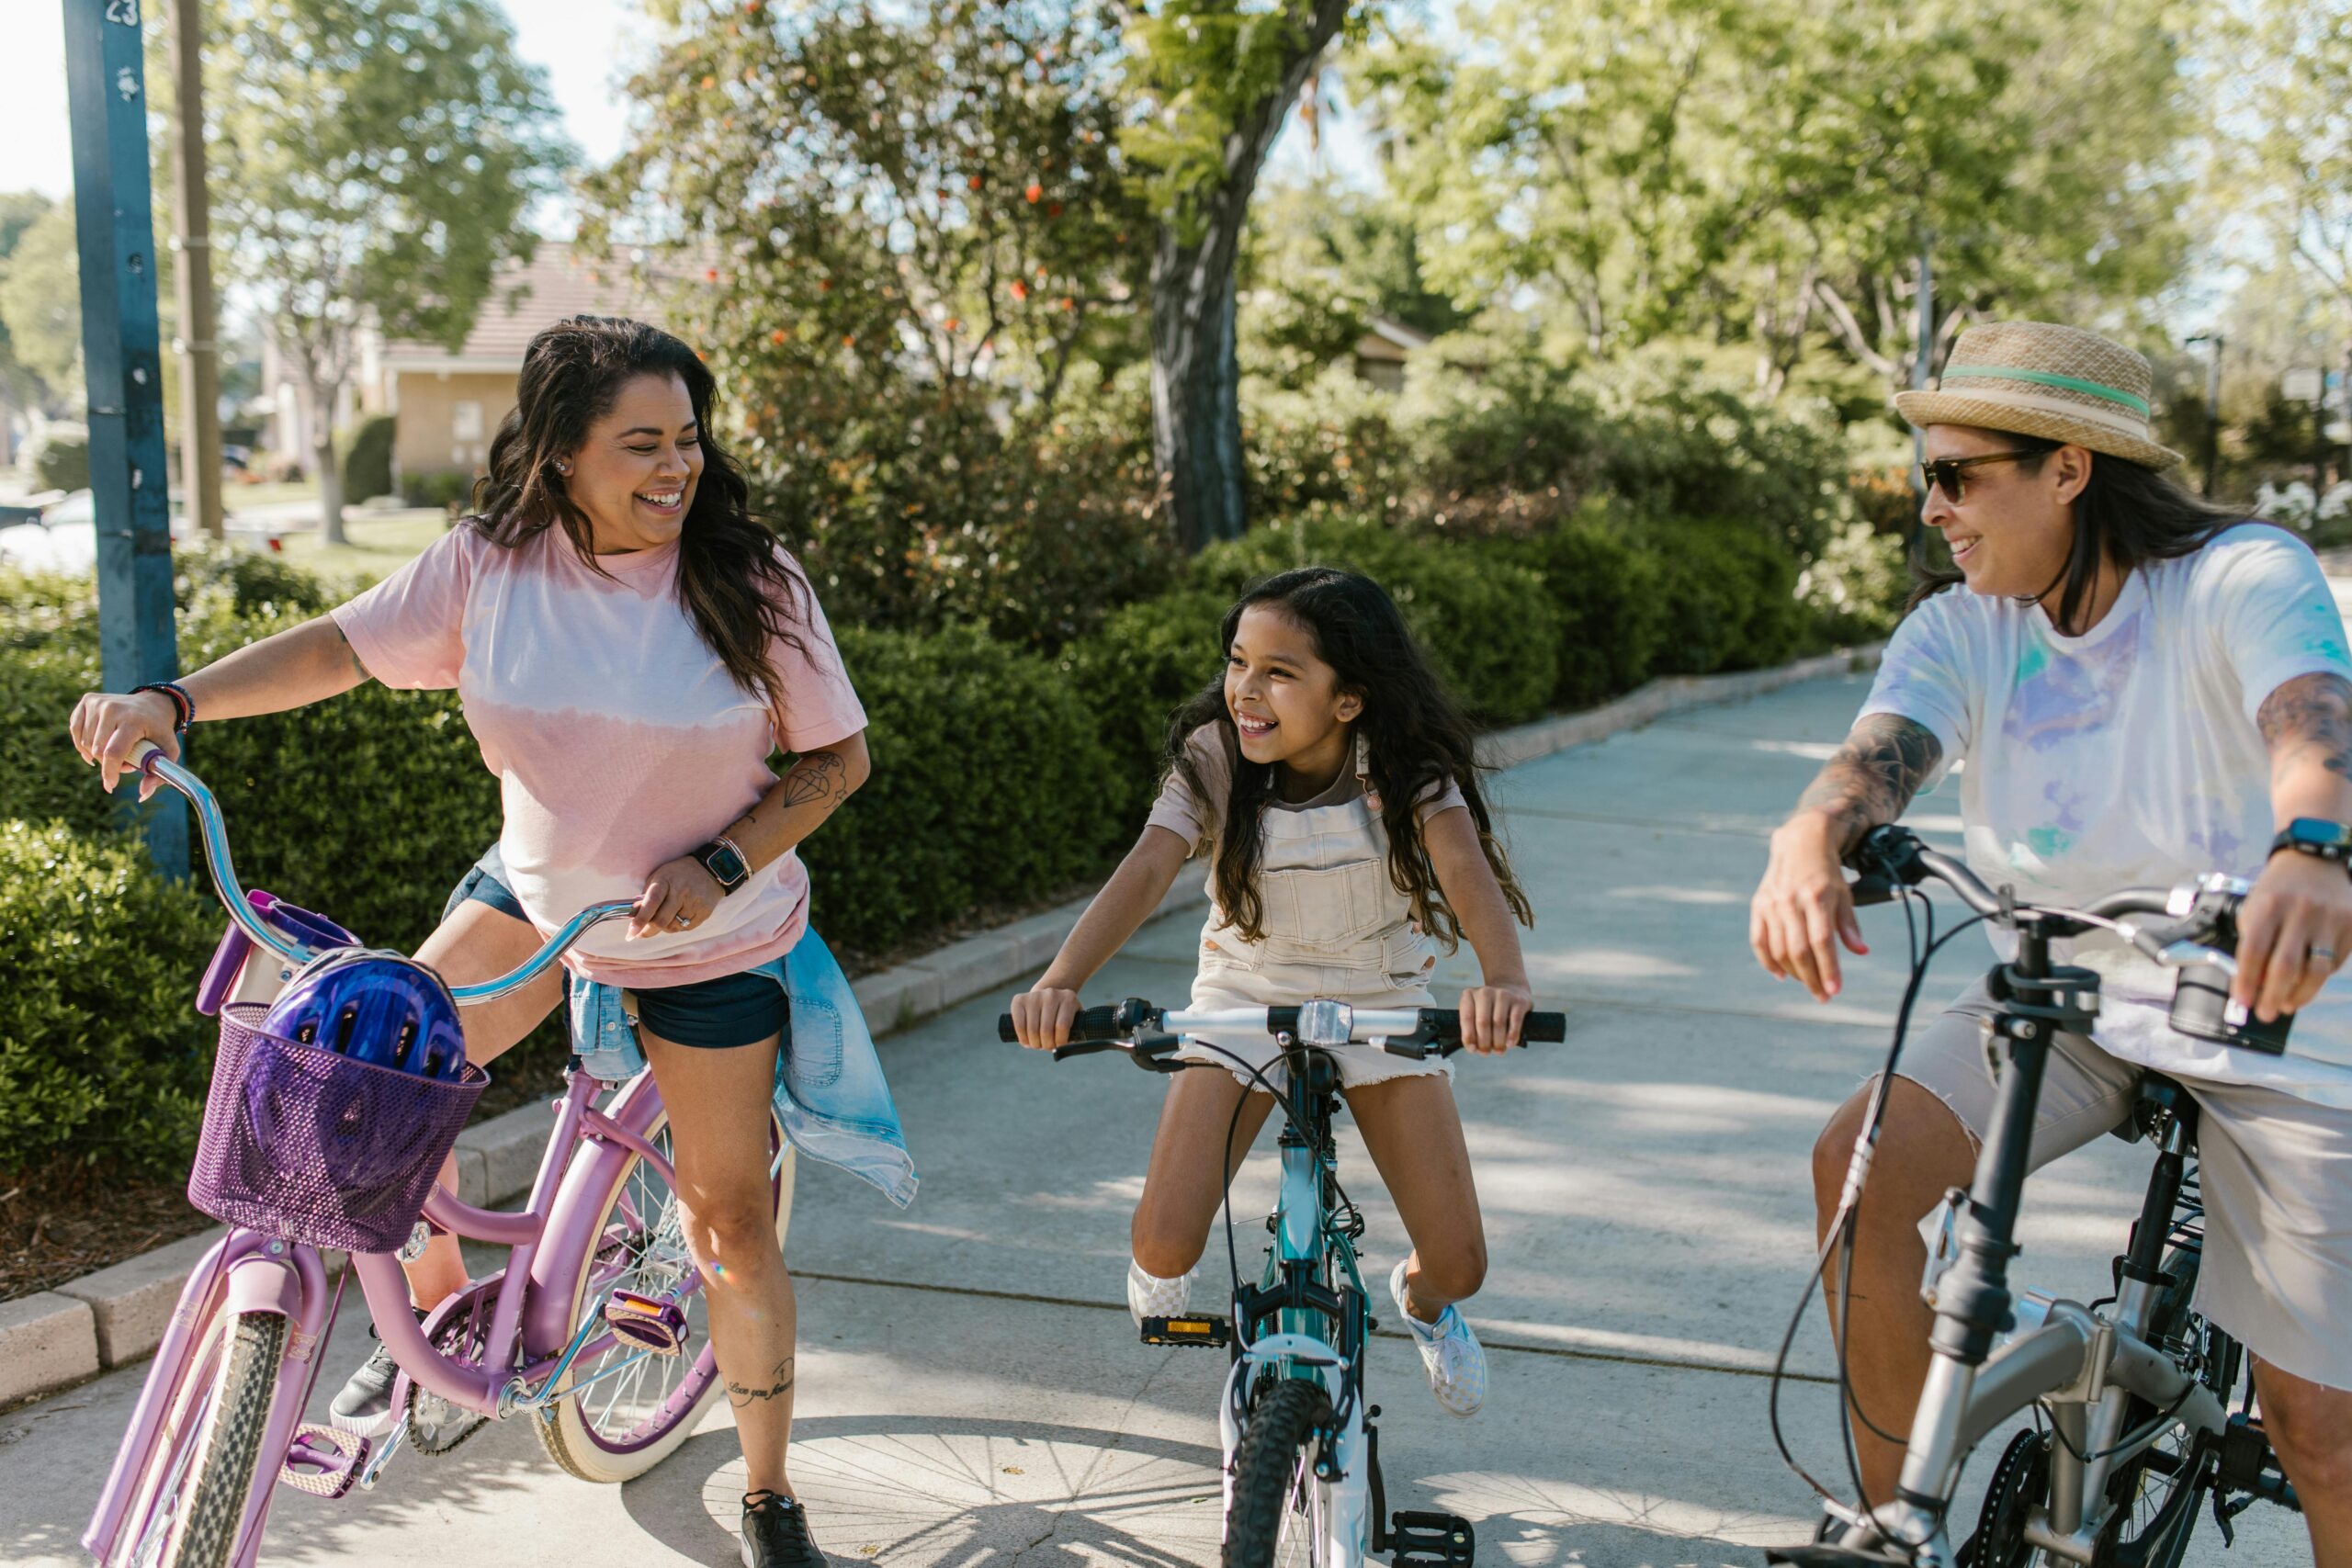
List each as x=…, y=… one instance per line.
x=117, y=1314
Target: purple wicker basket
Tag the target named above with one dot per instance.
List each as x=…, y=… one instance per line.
x=308, y=1145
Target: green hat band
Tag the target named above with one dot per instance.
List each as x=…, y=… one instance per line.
x=2044, y=378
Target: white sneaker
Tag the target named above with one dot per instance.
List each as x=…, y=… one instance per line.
x=1151, y=1296
x=1451, y=1354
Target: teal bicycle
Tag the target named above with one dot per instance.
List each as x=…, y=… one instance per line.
x=1301, y=1452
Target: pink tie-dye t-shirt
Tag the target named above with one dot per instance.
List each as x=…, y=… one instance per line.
x=619, y=739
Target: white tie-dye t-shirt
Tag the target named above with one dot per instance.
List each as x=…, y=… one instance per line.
x=2130, y=757
x=620, y=739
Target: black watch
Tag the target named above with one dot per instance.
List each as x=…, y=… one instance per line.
x=725, y=863
x=2316, y=835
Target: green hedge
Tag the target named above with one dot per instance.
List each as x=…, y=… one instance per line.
x=987, y=787
x=366, y=453
x=101, y=1056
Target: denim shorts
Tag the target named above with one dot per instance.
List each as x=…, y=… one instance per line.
x=715, y=1015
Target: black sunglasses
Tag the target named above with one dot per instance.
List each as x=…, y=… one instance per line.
x=1946, y=473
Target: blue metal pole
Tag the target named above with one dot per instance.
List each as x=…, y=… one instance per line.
x=107, y=99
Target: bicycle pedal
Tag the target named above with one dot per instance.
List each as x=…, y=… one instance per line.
x=322, y=1461
x=1198, y=1329
x=1432, y=1540
x=651, y=1322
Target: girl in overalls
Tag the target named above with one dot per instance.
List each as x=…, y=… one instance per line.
x=1330, y=781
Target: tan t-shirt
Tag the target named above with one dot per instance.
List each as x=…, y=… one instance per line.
x=1211, y=748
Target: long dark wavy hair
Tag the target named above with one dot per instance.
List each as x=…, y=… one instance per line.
x=2128, y=513
x=732, y=581
x=1415, y=733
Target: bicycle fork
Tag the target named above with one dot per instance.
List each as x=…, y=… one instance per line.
x=242, y=1273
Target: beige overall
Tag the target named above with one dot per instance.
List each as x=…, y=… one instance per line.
x=1335, y=927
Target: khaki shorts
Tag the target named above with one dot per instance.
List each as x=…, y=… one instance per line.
x=2277, y=1173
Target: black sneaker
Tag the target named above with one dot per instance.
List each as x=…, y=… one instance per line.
x=364, y=1408
x=775, y=1533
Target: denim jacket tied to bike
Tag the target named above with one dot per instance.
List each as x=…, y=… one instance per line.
x=830, y=1093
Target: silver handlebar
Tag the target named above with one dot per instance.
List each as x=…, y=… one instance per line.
x=214, y=833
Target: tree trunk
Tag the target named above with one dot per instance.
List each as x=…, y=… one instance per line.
x=1195, y=377
x=1195, y=388
x=322, y=400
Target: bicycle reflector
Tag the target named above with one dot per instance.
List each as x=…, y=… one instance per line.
x=374, y=1007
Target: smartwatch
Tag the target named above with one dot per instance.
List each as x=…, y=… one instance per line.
x=2316, y=835
x=725, y=863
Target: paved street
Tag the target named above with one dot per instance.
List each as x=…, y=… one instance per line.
x=970, y=1388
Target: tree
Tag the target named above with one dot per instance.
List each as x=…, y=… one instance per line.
x=372, y=160
x=2292, y=81
x=40, y=298
x=909, y=244
x=1214, y=81
x=1764, y=171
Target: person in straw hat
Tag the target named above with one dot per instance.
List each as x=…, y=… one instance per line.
x=2144, y=689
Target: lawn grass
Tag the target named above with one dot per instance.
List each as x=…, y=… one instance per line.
x=379, y=543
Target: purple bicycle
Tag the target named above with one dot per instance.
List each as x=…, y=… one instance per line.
x=594, y=1327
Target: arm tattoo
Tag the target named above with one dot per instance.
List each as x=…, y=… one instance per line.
x=820, y=777
x=1874, y=775
x=357, y=668
x=739, y=1395
x=2309, y=718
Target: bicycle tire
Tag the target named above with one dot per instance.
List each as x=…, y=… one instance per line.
x=1273, y=1480
x=569, y=1429
x=222, y=1475
x=2159, y=1494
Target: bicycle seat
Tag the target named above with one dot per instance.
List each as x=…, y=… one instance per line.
x=2158, y=1098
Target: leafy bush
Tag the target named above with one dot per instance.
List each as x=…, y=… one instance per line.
x=445, y=488
x=1729, y=593
x=1487, y=623
x=1608, y=588
x=1146, y=658
x=988, y=786
x=59, y=458
x=1855, y=591
x=367, y=457
x=1332, y=443
x=101, y=1056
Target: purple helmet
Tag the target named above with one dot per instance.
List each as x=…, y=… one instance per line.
x=373, y=1006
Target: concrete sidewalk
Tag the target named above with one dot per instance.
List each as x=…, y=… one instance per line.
x=970, y=1388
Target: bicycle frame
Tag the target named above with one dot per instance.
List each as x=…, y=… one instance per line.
x=1318, y=1332
x=529, y=1318
x=1994, y=1355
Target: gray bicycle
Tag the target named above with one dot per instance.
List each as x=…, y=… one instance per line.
x=2136, y=1433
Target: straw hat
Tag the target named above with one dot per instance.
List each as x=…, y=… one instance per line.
x=2040, y=379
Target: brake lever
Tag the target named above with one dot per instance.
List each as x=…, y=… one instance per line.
x=1871, y=888
x=1156, y=1053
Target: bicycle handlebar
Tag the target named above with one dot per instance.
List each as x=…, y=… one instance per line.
x=214, y=833
x=2205, y=928
x=1152, y=1035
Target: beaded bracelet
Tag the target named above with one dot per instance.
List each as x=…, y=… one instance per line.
x=183, y=705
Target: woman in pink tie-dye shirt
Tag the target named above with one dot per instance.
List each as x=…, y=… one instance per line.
x=632, y=647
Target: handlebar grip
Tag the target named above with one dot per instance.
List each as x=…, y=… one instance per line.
x=1549, y=1027
x=1092, y=1023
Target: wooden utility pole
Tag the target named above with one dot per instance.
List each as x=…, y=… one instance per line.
x=123, y=362
x=198, y=348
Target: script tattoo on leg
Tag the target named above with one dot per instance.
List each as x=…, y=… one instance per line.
x=741, y=1395
x=1874, y=774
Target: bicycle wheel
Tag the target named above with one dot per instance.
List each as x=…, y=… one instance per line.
x=1278, y=1506
x=201, y=1471
x=619, y=1427
x=2159, y=1494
